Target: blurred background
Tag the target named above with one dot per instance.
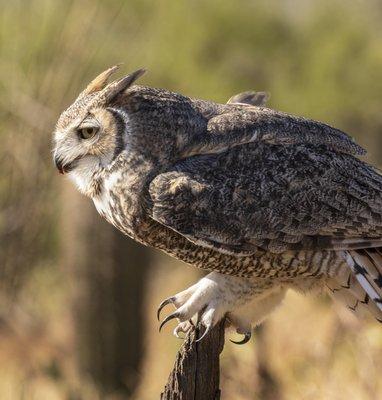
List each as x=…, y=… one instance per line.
x=78, y=300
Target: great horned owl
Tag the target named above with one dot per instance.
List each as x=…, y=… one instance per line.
x=264, y=200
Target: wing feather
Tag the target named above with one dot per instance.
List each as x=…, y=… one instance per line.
x=278, y=198
x=238, y=124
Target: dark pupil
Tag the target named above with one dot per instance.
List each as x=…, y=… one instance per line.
x=88, y=132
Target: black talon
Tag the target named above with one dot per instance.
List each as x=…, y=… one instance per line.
x=247, y=338
x=164, y=303
x=168, y=318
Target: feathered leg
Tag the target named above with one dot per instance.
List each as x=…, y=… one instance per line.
x=243, y=301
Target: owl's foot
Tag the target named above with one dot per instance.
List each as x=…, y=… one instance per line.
x=213, y=298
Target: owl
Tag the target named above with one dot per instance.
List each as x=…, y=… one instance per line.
x=263, y=200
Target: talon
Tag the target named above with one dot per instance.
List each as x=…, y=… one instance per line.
x=246, y=339
x=176, y=333
x=199, y=315
x=168, y=318
x=204, y=334
x=164, y=303
x=184, y=327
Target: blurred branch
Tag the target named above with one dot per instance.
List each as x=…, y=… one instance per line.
x=106, y=272
x=196, y=372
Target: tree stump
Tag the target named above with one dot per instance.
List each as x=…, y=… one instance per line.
x=196, y=371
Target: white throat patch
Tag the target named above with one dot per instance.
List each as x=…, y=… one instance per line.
x=84, y=173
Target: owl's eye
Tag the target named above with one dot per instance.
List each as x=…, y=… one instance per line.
x=87, y=132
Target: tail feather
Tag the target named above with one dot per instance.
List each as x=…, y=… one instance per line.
x=347, y=290
x=361, y=287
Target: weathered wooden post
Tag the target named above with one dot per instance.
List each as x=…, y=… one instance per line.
x=196, y=372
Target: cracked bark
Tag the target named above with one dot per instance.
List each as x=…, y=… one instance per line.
x=196, y=371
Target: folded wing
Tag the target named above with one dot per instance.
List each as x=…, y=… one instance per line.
x=276, y=197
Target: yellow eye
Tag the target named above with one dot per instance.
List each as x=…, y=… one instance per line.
x=88, y=132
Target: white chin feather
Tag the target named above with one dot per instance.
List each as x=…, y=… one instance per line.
x=83, y=174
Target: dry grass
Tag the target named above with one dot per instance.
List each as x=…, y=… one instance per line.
x=315, y=349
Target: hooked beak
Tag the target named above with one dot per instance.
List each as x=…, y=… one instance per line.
x=63, y=168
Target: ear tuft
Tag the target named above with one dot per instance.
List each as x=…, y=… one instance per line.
x=122, y=84
x=100, y=81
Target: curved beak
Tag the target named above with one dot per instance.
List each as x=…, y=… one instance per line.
x=62, y=168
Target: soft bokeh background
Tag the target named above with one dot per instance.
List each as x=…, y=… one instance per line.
x=77, y=300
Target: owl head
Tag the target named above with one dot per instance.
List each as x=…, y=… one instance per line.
x=87, y=134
